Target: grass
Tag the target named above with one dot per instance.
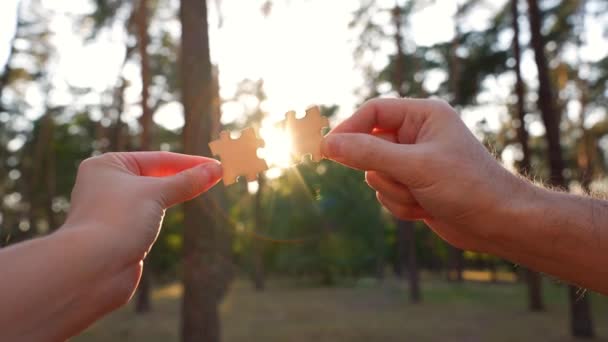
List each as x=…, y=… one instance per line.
x=368, y=312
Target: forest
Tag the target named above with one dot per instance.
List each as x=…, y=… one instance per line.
x=306, y=251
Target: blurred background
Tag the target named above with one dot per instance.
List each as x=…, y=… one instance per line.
x=305, y=252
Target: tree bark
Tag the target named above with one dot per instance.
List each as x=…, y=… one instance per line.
x=206, y=266
x=580, y=311
x=142, y=301
x=256, y=245
x=118, y=137
x=5, y=76
x=146, y=77
x=455, y=264
x=546, y=98
x=533, y=279
x=407, y=230
x=455, y=255
x=406, y=240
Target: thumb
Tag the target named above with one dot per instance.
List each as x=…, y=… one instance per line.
x=367, y=152
x=190, y=183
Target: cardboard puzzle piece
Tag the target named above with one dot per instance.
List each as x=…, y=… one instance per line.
x=239, y=156
x=306, y=133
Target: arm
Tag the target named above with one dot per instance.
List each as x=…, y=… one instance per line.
x=55, y=286
x=560, y=234
x=426, y=165
x=59, y=284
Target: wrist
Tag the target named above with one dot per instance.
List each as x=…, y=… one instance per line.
x=520, y=208
x=544, y=223
x=108, y=253
x=86, y=249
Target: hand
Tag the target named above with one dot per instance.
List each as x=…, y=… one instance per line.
x=426, y=165
x=121, y=197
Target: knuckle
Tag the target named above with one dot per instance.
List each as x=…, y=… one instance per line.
x=442, y=106
x=189, y=185
x=406, y=212
x=402, y=212
x=370, y=178
x=372, y=102
x=110, y=155
x=93, y=162
x=87, y=164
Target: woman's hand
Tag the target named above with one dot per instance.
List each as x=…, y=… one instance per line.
x=59, y=284
x=121, y=197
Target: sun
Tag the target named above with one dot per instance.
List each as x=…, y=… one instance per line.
x=278, y=146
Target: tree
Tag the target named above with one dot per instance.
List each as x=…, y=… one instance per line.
x=580, y=311
x=533, y=279
x=406, y=237
x=257, y=245
x=142, y=302
x=456, y=255
x=205, y=260
x=403, y=74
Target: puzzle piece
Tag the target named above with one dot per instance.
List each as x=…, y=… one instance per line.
x=306, y=133
x=239, y=156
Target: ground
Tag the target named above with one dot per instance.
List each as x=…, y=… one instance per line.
x=362, y=311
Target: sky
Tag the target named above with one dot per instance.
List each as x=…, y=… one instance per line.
x=303, y=50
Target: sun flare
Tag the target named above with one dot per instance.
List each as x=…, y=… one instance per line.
x=278, y=146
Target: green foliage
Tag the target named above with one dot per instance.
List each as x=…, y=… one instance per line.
x=341, y=230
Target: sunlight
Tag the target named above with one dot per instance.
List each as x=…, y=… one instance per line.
x=277, y=149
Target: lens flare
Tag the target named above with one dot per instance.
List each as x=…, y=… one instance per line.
x=277, y=149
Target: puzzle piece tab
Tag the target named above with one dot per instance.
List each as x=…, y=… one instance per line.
x=306, y=133
x=239, y=156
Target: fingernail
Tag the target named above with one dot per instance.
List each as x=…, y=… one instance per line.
x=213, y=170
x=332, y=145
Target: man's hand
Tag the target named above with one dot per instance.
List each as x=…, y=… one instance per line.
x=121, y=197
x=425, y=164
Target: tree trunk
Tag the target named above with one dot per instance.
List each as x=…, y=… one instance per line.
x=5, y=76
x=533, y=279
x=535, y=295
x=146, y=78
x=406, y=240
x=256, y=245
x=142, y=301
x=406, y=230
x=455, y=255
x=118, y=135
x=380, y=255
x=546, y=98
x=581, y=323
x=51, y=181
x=206, y=266
x=400, y=251
x=455, y=264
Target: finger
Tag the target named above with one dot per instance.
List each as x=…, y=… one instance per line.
x=390, y=188
x=389, y=136
x=403, y=212
x=391, y=114
x=160, y=163
x=367, y=152
x=189, y=183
